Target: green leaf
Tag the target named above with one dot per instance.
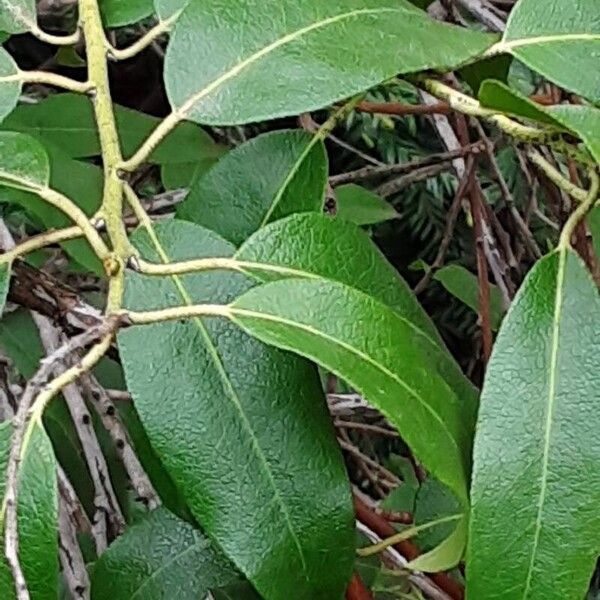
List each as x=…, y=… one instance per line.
x=434, y=501
x=463, y=284
x=536, y=478
x=9, y=90
x=67, y=121
x=118, y=13
x=181, y=175
x=24, y=161
x=280, y=70
x=265, y=179
x=315, y=245
x=493, y=67
x=4, y=283
x=160, y=557
x=17, y=16
x=167, y=8
x=499, y=96
x=445, y=556
x=37, y=515
x=361, y=206
x=561, y=42
x=583, y=121
x=377, y=351
x=79, y=181
x=242, y=429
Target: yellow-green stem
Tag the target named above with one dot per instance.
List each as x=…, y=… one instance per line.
x=579, y=213
x=112, y=200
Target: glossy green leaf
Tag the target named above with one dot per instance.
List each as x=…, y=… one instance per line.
x=445, y=556
x=291, y=56
x=377, y=352
x=24, y=161
x=180, y=175
x=167, y=8
x=79, y=181
x=499, y=96
x=361, y=206
x=433, y=502
x=67, y=121
x=17, y=16
x=160, y=557
x=118, y=13
x=536, y=476
x=4, y=283
x=265, y=179
x=463, y=284
x=37, y=515
x=582, y=120
x=259, y=469
x=315, y=245
x=9, y=90
x=493, y=67
x=560, y=40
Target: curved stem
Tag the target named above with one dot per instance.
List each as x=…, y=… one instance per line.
x=40, y=241
x=579, y=213
x=556, y=177
x=148, y=38
x=78, y=217
x=152, y=141
x=55, y=40
x=47, y=78
x=469, y=106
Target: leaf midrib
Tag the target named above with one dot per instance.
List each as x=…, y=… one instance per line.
x=188, y=105
x=508, y=45
x=290, y=271
x=360, y=354
x=235, y=399
x=163, y=566
x=548, y=425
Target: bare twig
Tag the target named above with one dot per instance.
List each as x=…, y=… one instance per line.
x=107, y=412
x=404, y=168
x=40, y=392
x=71, y=559
x=389, y=188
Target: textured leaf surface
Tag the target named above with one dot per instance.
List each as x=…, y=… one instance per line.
x=9, y=90
x=296, y=56
x=265, y=179
x=161, y=557
x=582, y=120
x=167, y=8
x=369, y=345
x=24, y=161
x=117, y=13
x=553, y=41
x=361, y=206
x=534, y=516
x=242, y=428
x=316, y=245
x=37, y=516
x=79, y=181
x=463, y=284
x=16, y=15
x=67, y=121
